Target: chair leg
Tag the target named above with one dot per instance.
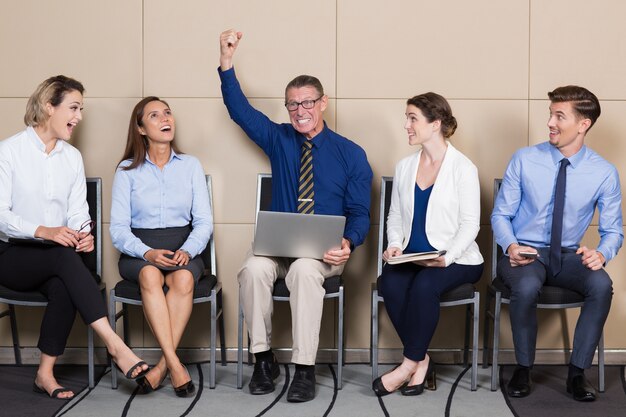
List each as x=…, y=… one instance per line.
x=240, y=345
x=601, y=363
x=16, y=339
x=220, y=323
x=486, y=316
x=213, y=339
x=476, y=315
x=496, y=341
x=113, y=323
x=126, y=322
x=340, y=335
x=90, y=358
x=374, y=339
x=468, y=317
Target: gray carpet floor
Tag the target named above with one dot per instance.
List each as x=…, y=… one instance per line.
x=452, y=397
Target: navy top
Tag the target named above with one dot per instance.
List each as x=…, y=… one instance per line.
x=341, y=173
x=419, y=241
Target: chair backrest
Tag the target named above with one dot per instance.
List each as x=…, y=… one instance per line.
x=386, y=186
x=208, y=254
x=93, y=259
x=263, y=193
x=496, y=251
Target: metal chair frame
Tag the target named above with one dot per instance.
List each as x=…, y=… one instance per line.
x=37, y=299
x=215, y=298
x=472, y=309
x=494, y=293
x=263, y=201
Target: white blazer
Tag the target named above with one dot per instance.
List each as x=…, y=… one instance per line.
x=453, y=212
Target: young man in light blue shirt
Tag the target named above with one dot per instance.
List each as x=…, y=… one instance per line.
x=545, y=205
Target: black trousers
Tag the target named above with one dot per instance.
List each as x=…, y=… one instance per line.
x=62, y=276
x=412, y=296
x=525, y=283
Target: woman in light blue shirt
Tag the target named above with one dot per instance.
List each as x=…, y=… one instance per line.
x=160, y=222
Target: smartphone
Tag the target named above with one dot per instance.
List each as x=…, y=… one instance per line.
x=531, y=255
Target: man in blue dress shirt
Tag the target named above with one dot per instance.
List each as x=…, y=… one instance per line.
x=522, y=220
x=342, y=181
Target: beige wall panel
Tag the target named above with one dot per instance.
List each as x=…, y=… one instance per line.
x=205, y=130
x=483, y=56
x=182, y=61
x=489, y=132
x=606, y=136
x=12, y=110
x=40, y=39
x=593, y=57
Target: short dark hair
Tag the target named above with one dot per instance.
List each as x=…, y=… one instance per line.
x=584, y=102
x=435, y=107
x=305, y=81
x=51, y=91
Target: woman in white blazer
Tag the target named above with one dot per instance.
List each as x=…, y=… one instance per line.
x=435, y=205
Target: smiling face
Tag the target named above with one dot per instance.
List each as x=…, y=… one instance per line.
x=309, y=122
x=419, y=129
x=567, y=128
x=157, y=123
x=63, y=118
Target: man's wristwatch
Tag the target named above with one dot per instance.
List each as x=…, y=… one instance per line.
x=351, y=244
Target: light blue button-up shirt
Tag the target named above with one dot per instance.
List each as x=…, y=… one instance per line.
x=150, y=198
x=523, y=209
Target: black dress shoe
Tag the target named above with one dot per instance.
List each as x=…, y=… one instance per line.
x=580, y=389
x=265, y=372
x=302, y=387
x=520, y=384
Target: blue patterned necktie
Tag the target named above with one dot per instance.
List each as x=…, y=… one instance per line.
x=305, y=187
x=557, y=219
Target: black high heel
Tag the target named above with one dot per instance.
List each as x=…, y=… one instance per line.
x=380, y=390
x=429, y=382
x=145, y=385
x=187, y=388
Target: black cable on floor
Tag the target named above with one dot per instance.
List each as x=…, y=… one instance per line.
x=198, y=392
x=335, y=390
x=451, y=394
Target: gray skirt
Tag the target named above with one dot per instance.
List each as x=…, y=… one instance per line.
x=171, y=238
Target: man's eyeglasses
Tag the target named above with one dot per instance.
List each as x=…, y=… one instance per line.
x=306, y=104
x=87, y=224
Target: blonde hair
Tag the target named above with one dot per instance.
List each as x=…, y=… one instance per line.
x=51, y=91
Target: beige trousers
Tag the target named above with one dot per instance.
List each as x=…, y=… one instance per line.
x=304, y=278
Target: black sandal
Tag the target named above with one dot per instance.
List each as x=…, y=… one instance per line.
x=129, y=373
x=54, y=394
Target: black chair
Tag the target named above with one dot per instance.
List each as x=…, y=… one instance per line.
x=464, y=294
x=93, y=260
x=208, y=290
x=549, y=298
x=332, y=285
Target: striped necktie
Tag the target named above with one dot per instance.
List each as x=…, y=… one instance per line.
x=305, y=187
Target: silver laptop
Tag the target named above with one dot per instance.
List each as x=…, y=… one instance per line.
x=294, y=235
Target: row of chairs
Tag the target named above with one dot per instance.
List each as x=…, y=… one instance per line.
x=210, y=290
